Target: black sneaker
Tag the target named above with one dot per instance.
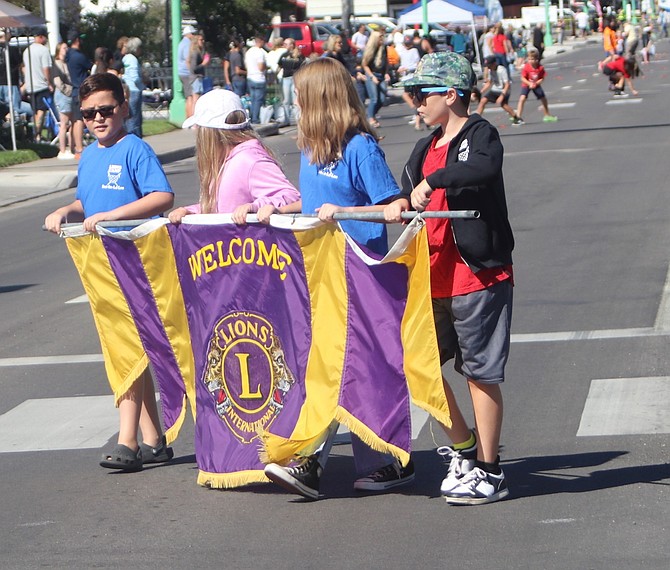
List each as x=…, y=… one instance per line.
x=302, y=479
x=517, y=122
x=393, y=475
x=477, y=488
x=159, y=454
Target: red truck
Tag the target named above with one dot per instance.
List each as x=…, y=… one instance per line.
x=308, y=36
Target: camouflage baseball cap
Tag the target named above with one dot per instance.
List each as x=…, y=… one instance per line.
x=443, y=69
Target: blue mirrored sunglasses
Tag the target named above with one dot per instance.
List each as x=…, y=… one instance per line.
x=419, y=94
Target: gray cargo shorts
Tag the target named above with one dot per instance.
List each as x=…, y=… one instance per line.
x=475, y=330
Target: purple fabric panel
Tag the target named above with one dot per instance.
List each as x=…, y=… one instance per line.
x=127, y=265
x=374, y=388
x=249, y=327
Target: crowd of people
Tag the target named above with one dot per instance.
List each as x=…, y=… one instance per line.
x=262, y=74
x=374, y=59
x=45, y=89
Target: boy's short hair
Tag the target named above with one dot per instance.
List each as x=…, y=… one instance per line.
x=102, y=82
x=490, y=60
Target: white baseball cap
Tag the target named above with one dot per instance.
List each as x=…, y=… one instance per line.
x=213, y=108
x=188, y=29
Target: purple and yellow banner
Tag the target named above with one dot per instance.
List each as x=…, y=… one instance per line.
x=275, y=333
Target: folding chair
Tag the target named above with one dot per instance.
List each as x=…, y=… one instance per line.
x=51, y=121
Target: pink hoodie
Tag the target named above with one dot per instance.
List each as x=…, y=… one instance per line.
x=251, y=175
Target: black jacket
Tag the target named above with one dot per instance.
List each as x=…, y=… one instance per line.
x=473, y=180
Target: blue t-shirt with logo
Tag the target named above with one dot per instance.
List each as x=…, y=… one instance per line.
x=360, y=178
x=114, y=176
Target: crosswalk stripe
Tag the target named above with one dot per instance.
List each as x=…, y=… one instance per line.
x=561, y=105
x=80, y=422
x=81, y=299
x=624, y=101
x=626, y=406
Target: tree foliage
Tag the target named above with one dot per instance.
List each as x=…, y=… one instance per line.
x=147, y=23
x=223, y=20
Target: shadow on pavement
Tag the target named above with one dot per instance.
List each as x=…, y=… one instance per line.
x=549, y=475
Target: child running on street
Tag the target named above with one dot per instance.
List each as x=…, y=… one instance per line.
x=459, y=167
x=532, y=77
x=497, y=88
x=238, y=174
x=120, y=178
x=342, y=169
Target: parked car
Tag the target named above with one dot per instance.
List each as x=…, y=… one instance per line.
x=309, y=36
x=371, y=25
x=436, y=31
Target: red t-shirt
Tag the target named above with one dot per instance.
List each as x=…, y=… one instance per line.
x=532, y=74
x=449, y=274
x=499, y=43
x=618, y=65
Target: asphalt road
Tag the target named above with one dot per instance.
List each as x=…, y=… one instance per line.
x=586, y=440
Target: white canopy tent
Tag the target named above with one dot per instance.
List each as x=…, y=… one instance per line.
x=443, y=12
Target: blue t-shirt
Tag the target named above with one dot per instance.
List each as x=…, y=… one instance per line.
x=114, y=176
x=182, y=56
x=79, y=66
x=458, y=43
x=360, y=178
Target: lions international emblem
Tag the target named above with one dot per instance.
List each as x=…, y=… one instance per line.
x=246, y=373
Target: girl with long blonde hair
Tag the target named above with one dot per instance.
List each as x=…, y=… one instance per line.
x=376, y=66
x=342, y=169
x=238, y=174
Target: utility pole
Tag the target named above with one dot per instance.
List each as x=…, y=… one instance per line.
x=51, y=16
x=548, y=40
x=347, y=12
x=177, y=110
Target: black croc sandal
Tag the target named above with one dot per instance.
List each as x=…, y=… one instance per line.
x=122, y=458
x=159, y=454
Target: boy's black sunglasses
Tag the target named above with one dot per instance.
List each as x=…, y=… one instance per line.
x=106, y=111
x=421, y=92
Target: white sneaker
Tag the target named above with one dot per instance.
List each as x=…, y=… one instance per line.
x=459, y=466
x=67, y=155
x=477, y=488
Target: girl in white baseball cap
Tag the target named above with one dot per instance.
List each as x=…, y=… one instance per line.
x=238, y=174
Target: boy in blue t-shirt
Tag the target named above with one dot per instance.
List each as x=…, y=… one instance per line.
x=120, y=178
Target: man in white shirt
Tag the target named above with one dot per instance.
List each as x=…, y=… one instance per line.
x=37, y=65
x=582, y=19
x=255, y=62
x=409, y=59
x=398, y=37
x=360, y=38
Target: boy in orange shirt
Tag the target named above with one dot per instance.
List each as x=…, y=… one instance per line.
x=609, y=42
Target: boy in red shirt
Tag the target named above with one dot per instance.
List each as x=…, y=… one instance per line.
x=621, y=70
x=459, y=167
x=532, y=77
